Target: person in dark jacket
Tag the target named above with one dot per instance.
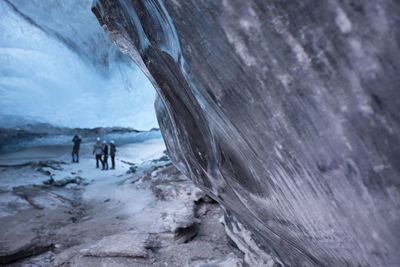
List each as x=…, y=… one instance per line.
x=105, y=156
x=75, y=149
x=98, y=150
x=113, y=149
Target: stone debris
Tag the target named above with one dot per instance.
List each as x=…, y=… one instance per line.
x=22, y=248
x=127, y=244
x=160, y=219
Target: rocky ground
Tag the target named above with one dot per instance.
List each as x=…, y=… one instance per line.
x=143, y=213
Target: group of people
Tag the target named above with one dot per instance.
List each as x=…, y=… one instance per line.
x=100, y=149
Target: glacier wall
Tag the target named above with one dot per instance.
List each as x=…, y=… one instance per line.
x=59, y=67
x=286, y=112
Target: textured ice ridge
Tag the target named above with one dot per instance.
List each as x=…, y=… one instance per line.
x=284, y=112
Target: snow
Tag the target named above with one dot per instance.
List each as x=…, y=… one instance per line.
x=105, y=188
x=103, y=184
x=58, y=66
x=111, y=218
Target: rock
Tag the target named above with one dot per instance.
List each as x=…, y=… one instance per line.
x=45, y=172
x=165, y=190
x=22, y=248
x=230, y=261
x=127, y=244
x=132, y=169
x=64, y=181
x=202, y=210
x=285, y=112
x=178, y=215
x=183, y=235
x=208, y=199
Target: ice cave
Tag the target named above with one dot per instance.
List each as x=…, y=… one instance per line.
x=208, y=133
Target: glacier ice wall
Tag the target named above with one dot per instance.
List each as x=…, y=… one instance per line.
x=58, y=66
x=286, y=112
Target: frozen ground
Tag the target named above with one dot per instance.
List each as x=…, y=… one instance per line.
x=143, y=213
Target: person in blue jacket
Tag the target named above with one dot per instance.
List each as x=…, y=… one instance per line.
x=75, y=149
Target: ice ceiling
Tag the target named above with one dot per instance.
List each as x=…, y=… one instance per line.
x=58, y=66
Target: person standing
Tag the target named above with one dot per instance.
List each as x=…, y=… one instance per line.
x=105, y=156
x=75, y=149
x=98, y=150
x=113, y=149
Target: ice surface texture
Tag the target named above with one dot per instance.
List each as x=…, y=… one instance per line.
x=58, y=65
x=287, y=112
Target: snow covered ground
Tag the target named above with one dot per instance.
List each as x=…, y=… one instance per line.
x=143, y=213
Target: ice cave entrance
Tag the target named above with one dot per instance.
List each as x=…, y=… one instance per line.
x=59, y=71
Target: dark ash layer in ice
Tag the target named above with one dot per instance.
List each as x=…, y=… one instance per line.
x=287, y=112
